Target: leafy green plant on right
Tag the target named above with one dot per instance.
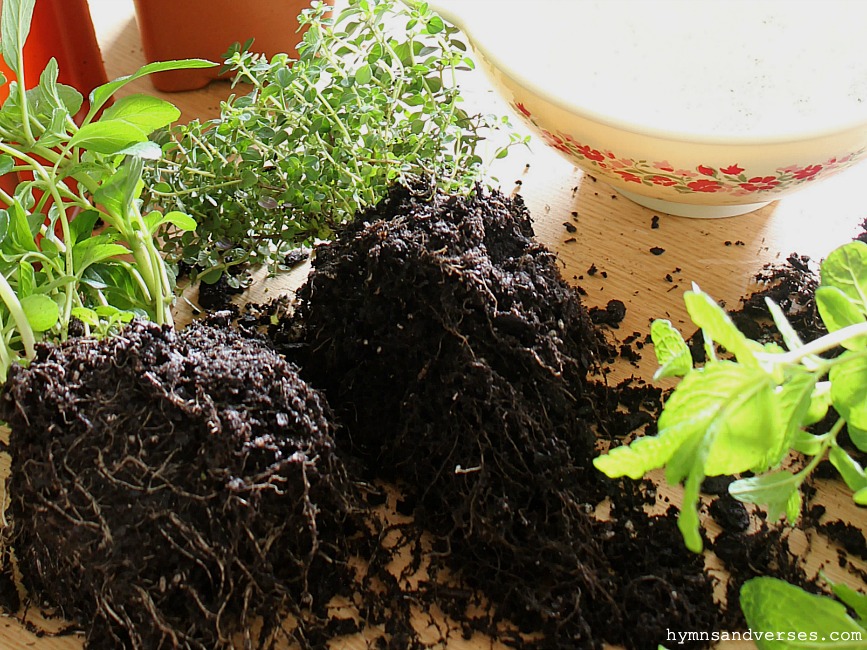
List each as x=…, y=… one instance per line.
x=748, y=412
x=751, y=408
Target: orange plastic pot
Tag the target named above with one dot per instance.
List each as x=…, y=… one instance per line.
x=182, y=29
x=61, y=29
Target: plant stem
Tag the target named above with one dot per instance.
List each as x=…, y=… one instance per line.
x=10, y=299
x=819, y=345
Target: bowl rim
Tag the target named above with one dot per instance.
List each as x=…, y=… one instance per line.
x=495, y=65
x=729, y=139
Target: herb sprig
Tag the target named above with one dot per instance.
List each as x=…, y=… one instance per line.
x=372, y=99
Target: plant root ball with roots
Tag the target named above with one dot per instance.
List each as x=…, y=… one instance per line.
x=174, y=489
x=458, y=358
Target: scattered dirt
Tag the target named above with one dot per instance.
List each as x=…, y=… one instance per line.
x=172, y=489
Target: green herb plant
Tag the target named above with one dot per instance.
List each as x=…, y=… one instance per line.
x=750, y=407
x=54, y=266
x=372, y=99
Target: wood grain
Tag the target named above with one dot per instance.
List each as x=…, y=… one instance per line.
x=613, y=234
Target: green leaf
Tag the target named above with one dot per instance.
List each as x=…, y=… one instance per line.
x=850, y=469
x=4, y=224
x=688, y=521
x=773, y=491
x=846, y=269
x=14, y=29
x=144, y=112
x=849, y=389
x=184, y=222
x=838, y=310
x=85, y=315
x=26, y=279
x=806, y=443
x=107, y=137
x=855, y=600
x=672, y=353
x=860, y=497
x=101, y=94
x=820, y=401
x=435, y=25
x=732, y=409
x=41, y=311
x=793, y=506
x=788, y=333
x=857, y=436
x=724, y=407
x=117, y=194
x=19, y=236
x=7, y=162
x=718, y=326
x=91, y=251
x=147, y=150
x=794, y=399
x=772, y=606
x=363, y=75
x=81, y=227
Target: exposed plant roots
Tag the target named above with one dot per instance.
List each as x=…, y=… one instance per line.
x=174, y=489
x=458, y=359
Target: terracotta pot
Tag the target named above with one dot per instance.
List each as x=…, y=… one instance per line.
x=61, y=29
x=181, y=29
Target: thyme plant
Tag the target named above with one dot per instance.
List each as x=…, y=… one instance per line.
x=373, y=99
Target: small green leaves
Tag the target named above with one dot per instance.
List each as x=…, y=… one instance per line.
x=849, y=388
x=371, y=101
x=774, y=491
x=672, y=353
x=771, y=606
x=41, y=311
x=717, y=326
x=107, y=137
x=101, y=94
x=846, y=269
x=144, y=112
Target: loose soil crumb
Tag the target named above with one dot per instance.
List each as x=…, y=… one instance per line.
x=173, y=489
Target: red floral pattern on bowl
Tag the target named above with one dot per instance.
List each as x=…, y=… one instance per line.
x=729, y=178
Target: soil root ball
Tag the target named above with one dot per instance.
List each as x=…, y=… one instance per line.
x=458, y=359
x=173, y=489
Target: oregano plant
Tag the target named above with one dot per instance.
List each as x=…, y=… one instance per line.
x=372, y=99
x=74, y=243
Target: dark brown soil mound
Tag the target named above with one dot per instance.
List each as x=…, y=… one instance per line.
x=169, y=489
x=458, y=359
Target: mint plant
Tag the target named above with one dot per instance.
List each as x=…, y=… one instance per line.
x=750, y=409
x=54, y=265
x=373, y=99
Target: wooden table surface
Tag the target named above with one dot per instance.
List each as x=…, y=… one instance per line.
x=615, y=235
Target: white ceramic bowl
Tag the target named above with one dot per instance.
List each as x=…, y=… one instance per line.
x=702, y=108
